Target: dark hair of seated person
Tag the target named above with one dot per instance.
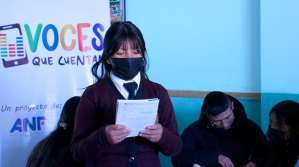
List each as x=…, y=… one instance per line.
x=54, y=150
x=286, y=153
x=216, y=102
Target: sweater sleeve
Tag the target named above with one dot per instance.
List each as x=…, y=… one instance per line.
x=88, y=141
x=261, y=150
x=192, y=153
x=170, y=143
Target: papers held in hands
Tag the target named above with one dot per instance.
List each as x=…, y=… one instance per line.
x=136, y=114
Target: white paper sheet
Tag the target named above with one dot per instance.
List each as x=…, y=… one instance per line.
x=136, y=114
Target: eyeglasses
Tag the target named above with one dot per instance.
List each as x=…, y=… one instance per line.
x=229, y=120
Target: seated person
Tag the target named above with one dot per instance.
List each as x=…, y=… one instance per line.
x=55, y=150
x=223, y=136
x=283, y=134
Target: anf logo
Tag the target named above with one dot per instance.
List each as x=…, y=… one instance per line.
x=12, y=50
x=26, y=122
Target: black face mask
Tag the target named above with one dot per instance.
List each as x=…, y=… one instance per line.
x=126, y=68
x=276, y=137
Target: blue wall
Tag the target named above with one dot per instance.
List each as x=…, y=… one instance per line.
x=279, y=54
x=232, y=46
x=280, y=42
x=201, y=45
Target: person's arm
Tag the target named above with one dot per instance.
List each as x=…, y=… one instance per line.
x=88, y=141
x=261, y=150
x=192, y=153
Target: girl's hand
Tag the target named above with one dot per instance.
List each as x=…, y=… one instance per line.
x=152, y=133
x=116, y=133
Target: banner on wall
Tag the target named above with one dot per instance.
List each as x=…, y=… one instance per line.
x=47, y=49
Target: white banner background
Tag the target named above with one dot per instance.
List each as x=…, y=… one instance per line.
x=26, y=89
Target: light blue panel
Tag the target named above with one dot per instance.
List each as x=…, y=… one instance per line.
x=280, y=43
x=253, y=110
x=201, y=45
x=187, y=110
x=269, y=100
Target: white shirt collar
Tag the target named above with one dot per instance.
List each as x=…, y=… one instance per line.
x=119, y=83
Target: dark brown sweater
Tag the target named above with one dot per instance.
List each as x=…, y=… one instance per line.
x=97, y=109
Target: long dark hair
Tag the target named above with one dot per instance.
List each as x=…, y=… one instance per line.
x=124, y=34
x=287, y=112
x=46, y=151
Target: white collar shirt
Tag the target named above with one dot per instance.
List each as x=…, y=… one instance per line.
x=119, y=84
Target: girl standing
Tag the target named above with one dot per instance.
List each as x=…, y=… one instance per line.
x=97, y=140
